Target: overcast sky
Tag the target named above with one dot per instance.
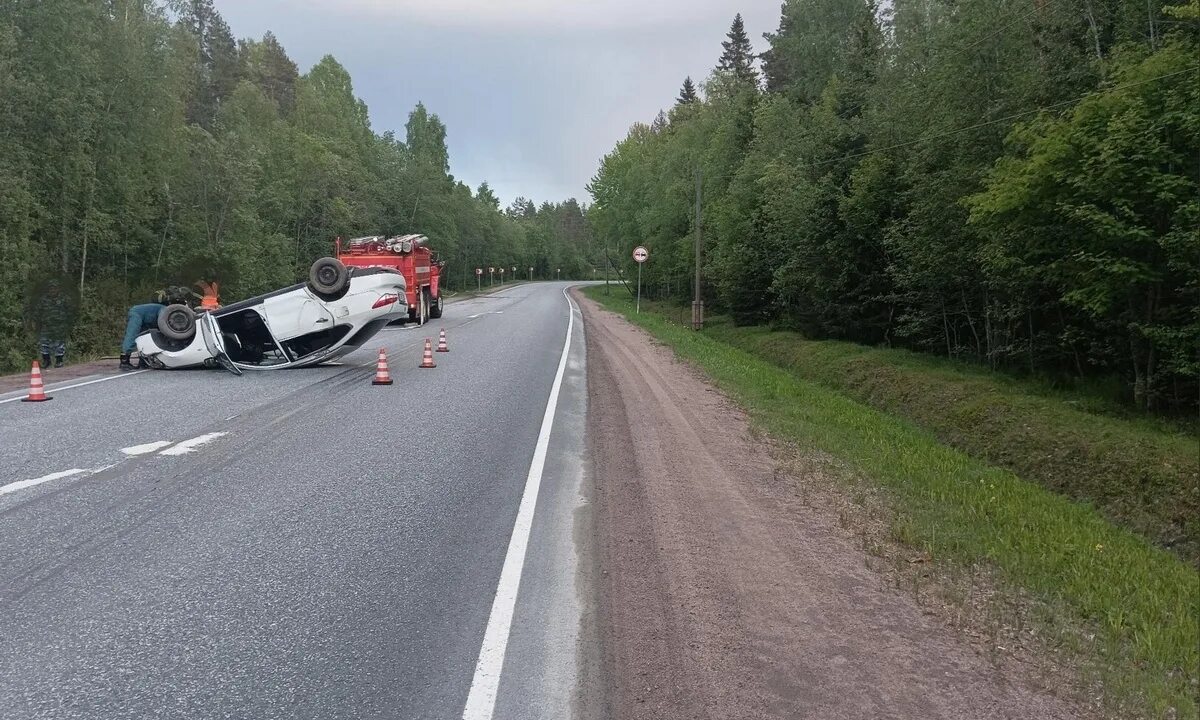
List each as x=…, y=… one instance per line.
x=533, y=92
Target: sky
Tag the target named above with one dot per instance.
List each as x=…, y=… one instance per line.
x=533, y=92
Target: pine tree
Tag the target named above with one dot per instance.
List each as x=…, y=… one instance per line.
x=268, y=66
x=486, y=196
x=687, y=95
x=217, y=65
x=737, y=59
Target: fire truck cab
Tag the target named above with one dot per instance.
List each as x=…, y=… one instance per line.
x=411, y=257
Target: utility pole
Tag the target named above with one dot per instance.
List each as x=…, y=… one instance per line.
x=697, y=303
x=607, y=262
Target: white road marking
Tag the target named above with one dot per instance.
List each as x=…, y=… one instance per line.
x=147, y=448
x=55, y=388
x=481, y=700
x=22, y=484
x=192, y=445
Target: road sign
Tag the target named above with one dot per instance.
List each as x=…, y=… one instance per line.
x=491, y=270
x=640, y=254
x=501, y=271
x=478, y=271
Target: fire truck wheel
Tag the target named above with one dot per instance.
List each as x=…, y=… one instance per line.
x=328, y=276
x=435, y=307
x=177, y=322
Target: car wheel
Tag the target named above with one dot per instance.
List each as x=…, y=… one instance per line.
x=435, y=307
x=177, y=322
x=328, y=276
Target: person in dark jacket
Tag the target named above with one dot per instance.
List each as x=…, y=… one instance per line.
x=145, y=317
x=53, y=310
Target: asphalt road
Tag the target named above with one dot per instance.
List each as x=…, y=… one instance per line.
x=302, y=544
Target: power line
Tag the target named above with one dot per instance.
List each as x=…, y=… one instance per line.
x=1002, y=28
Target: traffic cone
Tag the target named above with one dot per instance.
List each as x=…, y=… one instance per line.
x=442, y=347
x=427, y=359
x=382, y=376
x=37, y=391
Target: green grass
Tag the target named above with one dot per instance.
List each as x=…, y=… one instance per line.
x=1139, y=473
x=1141, y=601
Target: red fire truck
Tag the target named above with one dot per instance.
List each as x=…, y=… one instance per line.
x=411, y=256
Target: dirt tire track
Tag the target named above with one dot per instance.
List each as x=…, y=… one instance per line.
x=720, y=595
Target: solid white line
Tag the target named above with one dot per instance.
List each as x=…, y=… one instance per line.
x=22, y=484
x=481, y=701
x=147, y=448
x=188, y=446
x=54, y=389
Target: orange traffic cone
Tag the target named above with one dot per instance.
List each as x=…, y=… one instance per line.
x=427, y=359
x=382, y=376
x=442, y=347
x=37, y=391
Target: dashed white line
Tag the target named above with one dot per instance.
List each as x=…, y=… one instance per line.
x=147, y=448
x=481, y=700
x=22, y=484
x=192, y=445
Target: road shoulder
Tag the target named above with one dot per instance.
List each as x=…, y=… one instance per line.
x=721, y=593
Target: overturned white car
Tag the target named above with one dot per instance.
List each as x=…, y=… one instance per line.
x=333, y=314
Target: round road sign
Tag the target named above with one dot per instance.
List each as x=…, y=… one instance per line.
x=491, y=270
x=640, y=254
x=478, y=271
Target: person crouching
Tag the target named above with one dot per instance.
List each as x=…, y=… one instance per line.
x=145, y=317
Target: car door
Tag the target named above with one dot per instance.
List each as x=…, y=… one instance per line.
x=215, y=342
x=294, y=314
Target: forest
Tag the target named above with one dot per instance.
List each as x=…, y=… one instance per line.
x=141, y=144
x=1009, y=183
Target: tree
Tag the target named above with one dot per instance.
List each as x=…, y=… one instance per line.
x=878, y=192
x=268, y=66
x=217, y=68
x=814, y=42
x=737, y=57
x=1100, y=209
x=687, y=95
x=485, y=195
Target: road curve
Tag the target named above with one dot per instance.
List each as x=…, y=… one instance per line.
x=302, y=544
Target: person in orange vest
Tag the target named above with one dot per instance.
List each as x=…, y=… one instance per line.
x=210, y=299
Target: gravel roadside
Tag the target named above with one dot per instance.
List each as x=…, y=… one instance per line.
x=722, y=595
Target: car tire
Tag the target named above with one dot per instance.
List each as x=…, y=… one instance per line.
x=328, y=276
x=435, y=307
x=177, y=322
